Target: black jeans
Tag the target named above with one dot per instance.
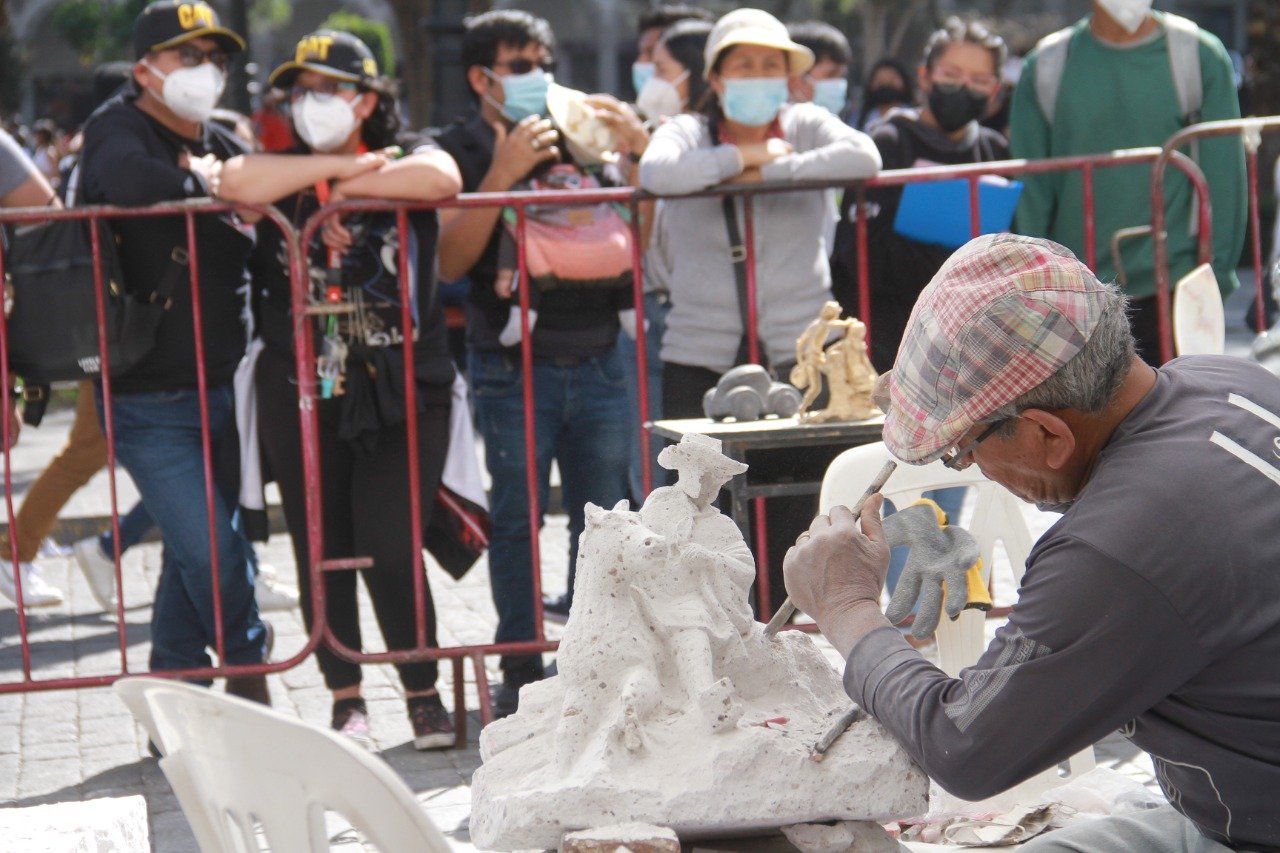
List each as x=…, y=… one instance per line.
x=785, y=517
x=366, y=513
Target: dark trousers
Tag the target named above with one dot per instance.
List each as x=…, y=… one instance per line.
x=365, y=513
x=785, y=517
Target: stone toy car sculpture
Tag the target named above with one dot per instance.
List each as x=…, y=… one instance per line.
x=748, y=393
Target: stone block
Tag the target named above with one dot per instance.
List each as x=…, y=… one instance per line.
x=672, y=707
x=108, y=825
x=622, y=838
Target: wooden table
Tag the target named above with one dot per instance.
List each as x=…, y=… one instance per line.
x=786, y=456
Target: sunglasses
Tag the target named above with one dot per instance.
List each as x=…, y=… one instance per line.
x=524, y=66
x=191, y=56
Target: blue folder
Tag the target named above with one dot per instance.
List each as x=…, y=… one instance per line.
x=938, y=211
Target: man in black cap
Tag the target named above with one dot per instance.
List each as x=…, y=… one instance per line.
x=149, y=144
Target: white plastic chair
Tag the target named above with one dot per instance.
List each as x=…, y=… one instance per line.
x=997, y=517
x=1199, y=321
x=234, y=763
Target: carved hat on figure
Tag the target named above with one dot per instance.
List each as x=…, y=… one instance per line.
x=700, y=450
x=1004, y=314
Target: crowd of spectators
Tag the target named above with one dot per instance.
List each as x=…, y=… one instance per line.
x=742, y=99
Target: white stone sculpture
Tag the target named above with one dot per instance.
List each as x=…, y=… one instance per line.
x=671, y=707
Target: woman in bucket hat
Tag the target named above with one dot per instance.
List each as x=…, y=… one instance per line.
x=745, y=131
x=344, y=111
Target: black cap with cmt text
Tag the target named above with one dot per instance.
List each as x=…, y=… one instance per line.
x=169, y=23
x=331, y=53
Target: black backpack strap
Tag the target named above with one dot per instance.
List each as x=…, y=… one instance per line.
x=738, y=258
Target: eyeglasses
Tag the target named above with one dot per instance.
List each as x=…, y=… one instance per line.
x=950, y=75
x=324, y=89
x=958, y=459
x=191, y=56
x=524, y=66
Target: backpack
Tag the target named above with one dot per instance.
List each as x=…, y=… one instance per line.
x=1182, y=39
x=578, y=246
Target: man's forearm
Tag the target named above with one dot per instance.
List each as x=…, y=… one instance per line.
x=845, y=626
x=465, y=232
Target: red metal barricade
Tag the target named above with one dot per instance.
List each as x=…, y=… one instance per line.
x=305, y=308
x=519, y=201
x=189, y=210
x=1250, y=131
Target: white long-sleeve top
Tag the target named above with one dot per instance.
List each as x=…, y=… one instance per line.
x=793, y=280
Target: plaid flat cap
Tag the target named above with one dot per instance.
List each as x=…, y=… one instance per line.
x=1003, y=314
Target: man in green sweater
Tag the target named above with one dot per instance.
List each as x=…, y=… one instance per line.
x=1117, y=90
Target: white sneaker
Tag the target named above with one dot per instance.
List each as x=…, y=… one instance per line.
x=270, y=592
x=36, y=591
x=99, y=571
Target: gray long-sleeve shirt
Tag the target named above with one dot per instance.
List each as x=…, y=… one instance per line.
x=1152, y=607
x=793, y=279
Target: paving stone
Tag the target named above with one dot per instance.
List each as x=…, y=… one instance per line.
x=37, y=777
x=107, y=731
x=46, y=750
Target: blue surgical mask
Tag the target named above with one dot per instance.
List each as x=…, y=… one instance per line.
x=526, y=94
x=754, y=101
x=831, y=94
x=640, y=74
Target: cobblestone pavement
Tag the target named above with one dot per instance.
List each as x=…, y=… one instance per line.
x=72, y=745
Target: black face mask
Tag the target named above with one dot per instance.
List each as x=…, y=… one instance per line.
x=881, y=95
x=954, y=105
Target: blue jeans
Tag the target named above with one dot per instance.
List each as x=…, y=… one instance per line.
x=580, y=420
x=950, y=500
x=655, y=311
x=134, y=525
x=137, y=523
x=158, y=442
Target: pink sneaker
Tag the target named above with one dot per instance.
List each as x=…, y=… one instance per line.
x=352, y=720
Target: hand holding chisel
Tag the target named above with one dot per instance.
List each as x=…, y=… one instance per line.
x=784, y=612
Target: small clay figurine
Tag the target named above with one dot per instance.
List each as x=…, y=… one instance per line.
x=850, y=376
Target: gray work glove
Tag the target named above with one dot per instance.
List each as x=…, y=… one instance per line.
x=938, y=555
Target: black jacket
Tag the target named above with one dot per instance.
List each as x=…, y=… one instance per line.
x=130, y=159
x=899, y=267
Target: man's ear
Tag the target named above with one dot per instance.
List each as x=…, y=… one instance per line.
x=141, y=74
x=1055, y=434
x=922, y=78
x=478, y=80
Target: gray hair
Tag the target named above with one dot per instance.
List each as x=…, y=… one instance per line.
x=1089, y=381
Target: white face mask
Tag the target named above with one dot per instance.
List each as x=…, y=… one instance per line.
x=660, y=98
x=191, y=93
x=324, y=122
x=1128, y=13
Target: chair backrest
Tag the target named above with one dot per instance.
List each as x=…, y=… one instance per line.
x=997, y=517
x=234, y=764
x=1199, y=321
x=132, y=693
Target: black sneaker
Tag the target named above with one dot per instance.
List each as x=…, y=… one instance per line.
x=557, y=609
x=432, y=726
x=506, y=700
